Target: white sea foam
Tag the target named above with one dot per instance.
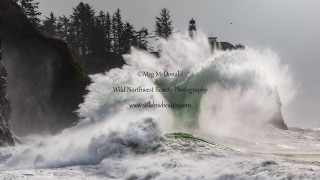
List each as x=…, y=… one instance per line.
x=127, y=143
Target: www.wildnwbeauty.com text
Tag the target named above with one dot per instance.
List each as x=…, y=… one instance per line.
x=176, y=89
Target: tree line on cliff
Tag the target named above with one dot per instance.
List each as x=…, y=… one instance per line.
x=89, y=32
x=102, y=38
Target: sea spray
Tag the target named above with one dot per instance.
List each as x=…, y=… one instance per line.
x=250, y=80
x=85, y=147
x=247, y=92
x=109, y=127
x=241, y=93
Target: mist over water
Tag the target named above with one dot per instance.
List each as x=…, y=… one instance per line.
x=243, y=86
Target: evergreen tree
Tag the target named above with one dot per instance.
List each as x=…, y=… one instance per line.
x=117, y=29
x=115, y=42
x=30, y=9
x=50, y=24
x=142, y=39
x=63, y=29
x=99, y=34
x=128, y=38
x=163, y=27
x=82, y=21
x=108, y=29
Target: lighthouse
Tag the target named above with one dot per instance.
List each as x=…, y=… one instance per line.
x=192, y=28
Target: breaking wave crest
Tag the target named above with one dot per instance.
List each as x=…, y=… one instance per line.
x=243, y=90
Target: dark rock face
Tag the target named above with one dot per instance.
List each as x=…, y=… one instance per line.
x=277, y=120
x=103, y=62
x=46, y=82
x=6, y=137
x=222, y=46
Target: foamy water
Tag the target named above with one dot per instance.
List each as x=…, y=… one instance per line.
x=114, y=140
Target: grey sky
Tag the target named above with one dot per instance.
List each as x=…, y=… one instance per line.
x=289, y=27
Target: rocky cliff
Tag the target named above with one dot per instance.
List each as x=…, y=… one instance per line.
x=102, y=63
x=6, y=137
x=45, y=78
x=277, y=120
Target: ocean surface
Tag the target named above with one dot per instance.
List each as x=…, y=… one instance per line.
x=220, y=133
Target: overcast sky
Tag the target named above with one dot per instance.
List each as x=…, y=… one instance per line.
x=289, y=27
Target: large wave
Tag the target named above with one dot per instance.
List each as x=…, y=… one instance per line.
x=242, y=91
